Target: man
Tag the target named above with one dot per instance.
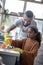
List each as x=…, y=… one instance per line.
x=24, y=24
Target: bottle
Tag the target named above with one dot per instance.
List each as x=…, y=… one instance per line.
x=16, y=36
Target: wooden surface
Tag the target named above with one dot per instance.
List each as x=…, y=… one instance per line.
x=40, y=2
x=20, y=16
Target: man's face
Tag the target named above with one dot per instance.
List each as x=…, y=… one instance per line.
x=26, y=20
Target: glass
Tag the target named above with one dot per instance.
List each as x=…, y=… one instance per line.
x=14, y=5
x=36, y=8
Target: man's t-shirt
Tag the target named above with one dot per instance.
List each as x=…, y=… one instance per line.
x=23, y=29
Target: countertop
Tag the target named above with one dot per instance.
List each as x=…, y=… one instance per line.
x=9, y=52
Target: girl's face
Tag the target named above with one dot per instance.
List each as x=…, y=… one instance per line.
x=31, y=33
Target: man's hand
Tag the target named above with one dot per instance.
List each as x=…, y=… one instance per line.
x=8, y=30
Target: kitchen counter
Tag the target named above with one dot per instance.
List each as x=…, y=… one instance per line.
x=9, y=52
x=10, y=57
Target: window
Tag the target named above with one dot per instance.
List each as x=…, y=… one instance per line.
x=14, y=5
x=36, y=8
x=38, y=0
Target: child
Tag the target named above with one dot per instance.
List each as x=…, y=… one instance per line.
x=29, y=46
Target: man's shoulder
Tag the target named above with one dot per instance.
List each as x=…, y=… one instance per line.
x=19, y=20
x=33, y=23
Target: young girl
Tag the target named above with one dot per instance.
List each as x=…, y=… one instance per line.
x=29, y=46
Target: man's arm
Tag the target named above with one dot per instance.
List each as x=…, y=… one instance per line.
x=11, y=28
x=15, y=24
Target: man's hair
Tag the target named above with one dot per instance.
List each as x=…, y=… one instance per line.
x=29, y=14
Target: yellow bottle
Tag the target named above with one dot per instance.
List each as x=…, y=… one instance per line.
x=6, y=38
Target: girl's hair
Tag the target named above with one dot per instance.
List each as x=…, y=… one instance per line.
x=38, y=34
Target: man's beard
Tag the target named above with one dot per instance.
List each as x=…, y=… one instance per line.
x=27, y=24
